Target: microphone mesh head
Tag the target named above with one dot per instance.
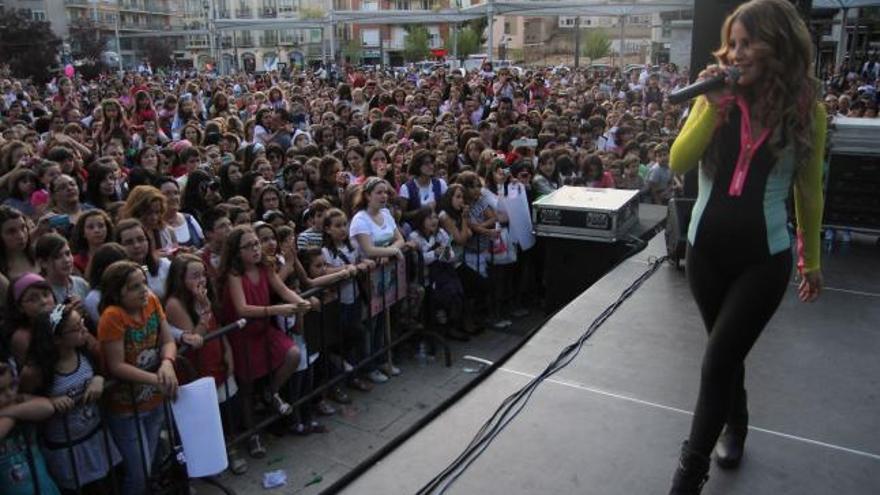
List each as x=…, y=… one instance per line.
x=733, y=74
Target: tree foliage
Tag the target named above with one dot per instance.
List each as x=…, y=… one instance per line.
x=468, y=43
x=29, y=47
x=159, y=52
x=417, y=44
x=353, y=51
x=88, y=41
x=595, y=44
x=479, y=26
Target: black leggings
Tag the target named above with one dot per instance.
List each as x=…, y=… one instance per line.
x=736, y=299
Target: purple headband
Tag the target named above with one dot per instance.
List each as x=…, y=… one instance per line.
x=24, y=282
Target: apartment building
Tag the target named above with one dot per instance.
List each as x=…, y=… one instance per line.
x=129, y=16
x=254, y=49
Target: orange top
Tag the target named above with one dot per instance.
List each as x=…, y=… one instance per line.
x=140, y=336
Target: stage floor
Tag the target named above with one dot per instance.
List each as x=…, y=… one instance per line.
x=612, y=422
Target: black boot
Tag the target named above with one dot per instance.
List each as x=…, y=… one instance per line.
x=729, y=449
x=692, y=473
x=731, y=443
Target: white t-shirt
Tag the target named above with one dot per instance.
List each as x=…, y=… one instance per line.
x=157, y=282
x=345, y=255
x=382, y=235
x=426, y=194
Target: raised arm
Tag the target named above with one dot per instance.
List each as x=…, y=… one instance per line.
x=694, y=137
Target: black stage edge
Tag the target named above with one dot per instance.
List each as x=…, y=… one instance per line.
x=612, y=422
x=572, y=266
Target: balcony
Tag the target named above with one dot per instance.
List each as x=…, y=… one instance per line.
x=268, y=41
x=224, y=14
x=246, y=42
x=268, y=13
x=78, y=3
x=244, y=13
x=196, y=43
x=289, y=41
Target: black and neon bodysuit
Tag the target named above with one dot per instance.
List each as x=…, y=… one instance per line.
x=751, y=220
x=739, y=255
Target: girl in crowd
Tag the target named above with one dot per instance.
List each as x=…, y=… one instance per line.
x=93, y=229
x=594, y=173
x=378, y=164
x=79, y=452
x=187, y=230
x=101, y=187
x=104, y=256
x=446, y=294
x=22, y=466
x=547, y=179
x=377, y=236
x=260, y=349
x=29, y=295
x=56, y=263
x=191, y=312
x=22, y=183
x=230, y=178
x=340, y=254
x=139, y=248
x=147, y=205
x=16, y=257
x=139, y=352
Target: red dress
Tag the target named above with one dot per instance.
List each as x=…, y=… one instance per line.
x=259, y=347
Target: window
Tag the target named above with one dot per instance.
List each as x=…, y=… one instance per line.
x=38, y=15
x=666, y=28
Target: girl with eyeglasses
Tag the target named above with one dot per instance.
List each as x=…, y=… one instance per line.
x=247, y=285
x=64, y=360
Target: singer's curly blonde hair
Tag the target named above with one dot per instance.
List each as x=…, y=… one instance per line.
x=787, y=91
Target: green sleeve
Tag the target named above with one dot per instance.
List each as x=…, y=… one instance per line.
x=694, y=137
x=808, y=200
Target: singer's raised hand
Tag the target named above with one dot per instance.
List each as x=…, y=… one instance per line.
x=709, y=72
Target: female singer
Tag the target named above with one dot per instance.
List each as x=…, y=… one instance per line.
x=754, y=140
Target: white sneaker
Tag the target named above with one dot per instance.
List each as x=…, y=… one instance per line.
x=390, y=370
x=377, y=376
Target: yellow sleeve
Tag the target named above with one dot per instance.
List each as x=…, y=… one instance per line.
x=808, y=198
x=694, y=137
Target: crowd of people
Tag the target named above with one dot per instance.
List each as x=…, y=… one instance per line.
x=143, y=212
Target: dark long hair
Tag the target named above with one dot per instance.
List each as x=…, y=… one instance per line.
x=79, y=243
x=105, y=256
x=230, y=258
x=8, y=213
x=42, y=351
x=97, y=173
x=175, y=286
x=113, y=282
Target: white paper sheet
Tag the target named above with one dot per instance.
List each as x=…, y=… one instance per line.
x=197, y=415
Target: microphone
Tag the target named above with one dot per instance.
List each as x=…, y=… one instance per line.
x=702, y=87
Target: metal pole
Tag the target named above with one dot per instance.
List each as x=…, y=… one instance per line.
x=622, y=39
x=332, y=34
x=490, y=17
x=210, y=21
x=116, y=28
x=577, y=42
x=841, y=44
x=323, y=47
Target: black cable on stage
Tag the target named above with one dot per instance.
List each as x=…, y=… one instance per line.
x=514, y=403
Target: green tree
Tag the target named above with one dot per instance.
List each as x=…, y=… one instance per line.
x=468, y=43
x=416, y=45
x=353, y=51
x=29, y=47
x=595, y=44
x=88, y=41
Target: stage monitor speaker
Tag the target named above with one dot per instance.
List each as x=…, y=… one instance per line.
x=678, y=217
